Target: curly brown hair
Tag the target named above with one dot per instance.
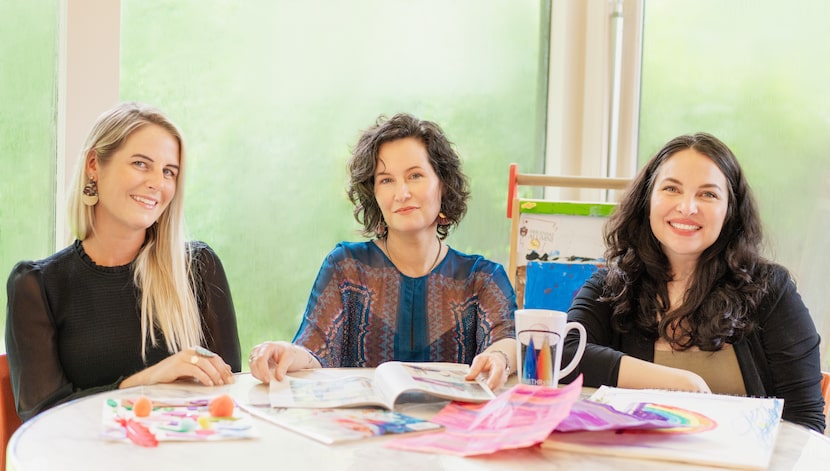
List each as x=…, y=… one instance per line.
x=442, y=156
x=730, y=277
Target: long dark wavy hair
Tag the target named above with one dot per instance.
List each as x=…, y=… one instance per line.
x=443, y=158
x=730, y=277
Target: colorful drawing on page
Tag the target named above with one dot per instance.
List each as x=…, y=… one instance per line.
x=172, y=420
x=352, y=388
x=332, y=426
x=588, y=415
x=684, y=420
x=734, y=431
x=445, y=381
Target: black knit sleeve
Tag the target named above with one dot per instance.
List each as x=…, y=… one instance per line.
x=792, y=352
x=600, y=364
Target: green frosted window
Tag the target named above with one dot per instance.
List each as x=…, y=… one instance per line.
x=273, y=93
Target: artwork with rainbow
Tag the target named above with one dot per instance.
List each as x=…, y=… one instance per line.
x=709, y=429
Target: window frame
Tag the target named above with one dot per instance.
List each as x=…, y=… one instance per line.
x=88, y=83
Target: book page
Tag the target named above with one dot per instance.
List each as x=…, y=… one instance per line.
x=442, y=380
x=332, y=426
x=390, y=381
x=349, y=391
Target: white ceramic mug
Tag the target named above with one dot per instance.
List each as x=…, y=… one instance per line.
x=540, y=336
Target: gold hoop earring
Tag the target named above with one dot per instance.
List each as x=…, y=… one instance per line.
x=90, y=193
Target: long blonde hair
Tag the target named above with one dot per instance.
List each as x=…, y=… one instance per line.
x=162, y=269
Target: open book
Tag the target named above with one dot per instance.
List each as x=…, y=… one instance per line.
x=712, y=429
x=391, y=380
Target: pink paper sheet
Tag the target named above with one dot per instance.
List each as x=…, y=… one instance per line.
x=520, y=417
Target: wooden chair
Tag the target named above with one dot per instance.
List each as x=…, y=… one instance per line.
x=825, y=391
x=9, y=421
x=555, y=245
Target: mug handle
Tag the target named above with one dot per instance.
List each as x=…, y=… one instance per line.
x=579, y=351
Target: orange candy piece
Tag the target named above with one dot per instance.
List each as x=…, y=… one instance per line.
x=221, y=406
x=142, y=406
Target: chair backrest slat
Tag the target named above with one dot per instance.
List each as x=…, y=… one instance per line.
x=9, y=421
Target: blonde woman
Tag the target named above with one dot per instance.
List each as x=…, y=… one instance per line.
x=131, y=301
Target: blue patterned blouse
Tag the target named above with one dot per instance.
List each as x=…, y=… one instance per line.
x=362, y=311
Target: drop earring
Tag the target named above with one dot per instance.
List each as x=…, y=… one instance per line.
x=381, y=229
x=90, y=193
x=443, y=220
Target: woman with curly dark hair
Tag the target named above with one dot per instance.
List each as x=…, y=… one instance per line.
x=687, y=301
x=406, y=295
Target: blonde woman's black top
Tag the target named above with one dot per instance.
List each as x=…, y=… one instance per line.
x=73, y=328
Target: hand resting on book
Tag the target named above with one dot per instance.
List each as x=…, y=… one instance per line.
x=272, y=360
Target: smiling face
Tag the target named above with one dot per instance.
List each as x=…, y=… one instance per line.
x=138, y=182
x=407, y=188
x=689, y=202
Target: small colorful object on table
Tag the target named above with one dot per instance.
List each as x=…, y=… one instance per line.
x=147, y=422
x=143, y=406
x=221, y=406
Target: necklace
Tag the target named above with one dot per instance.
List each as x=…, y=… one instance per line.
x=392, y=259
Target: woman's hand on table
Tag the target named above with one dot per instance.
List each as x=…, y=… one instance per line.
x=272, y=360
x=640, y=374
x=197, y=363
x=497, y=362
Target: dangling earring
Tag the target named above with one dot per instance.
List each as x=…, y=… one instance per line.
x=381, y=229
x=90, y=196
x=443, y=220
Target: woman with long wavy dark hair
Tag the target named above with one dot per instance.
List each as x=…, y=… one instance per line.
x=687, y=300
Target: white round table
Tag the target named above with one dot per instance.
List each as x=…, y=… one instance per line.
x=67, y=438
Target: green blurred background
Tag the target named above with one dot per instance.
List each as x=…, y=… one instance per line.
x=272, y=94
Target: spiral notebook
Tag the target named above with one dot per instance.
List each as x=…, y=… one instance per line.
x=712, y=429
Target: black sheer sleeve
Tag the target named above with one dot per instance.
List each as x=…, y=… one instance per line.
x=216, y=304
x=31, y=345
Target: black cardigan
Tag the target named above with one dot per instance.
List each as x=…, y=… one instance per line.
x=779, y=358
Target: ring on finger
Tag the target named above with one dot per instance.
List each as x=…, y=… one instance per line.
x=203, y=352
x=194, y=359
